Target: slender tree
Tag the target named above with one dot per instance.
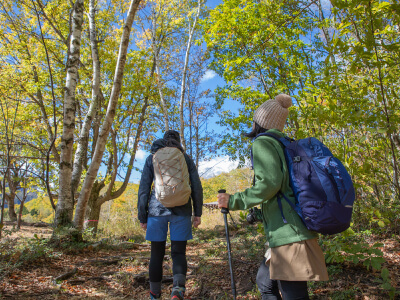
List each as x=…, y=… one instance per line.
x=83, y=140
x=108, y=119
x=191, y=32
x=65, y=202
x=9, y=139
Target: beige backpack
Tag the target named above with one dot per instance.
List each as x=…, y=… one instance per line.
x=171, y=174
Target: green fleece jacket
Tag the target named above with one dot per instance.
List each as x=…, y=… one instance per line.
x=271, y=176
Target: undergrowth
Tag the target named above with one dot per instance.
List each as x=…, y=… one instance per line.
x=342, y=251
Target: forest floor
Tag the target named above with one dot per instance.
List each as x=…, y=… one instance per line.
x=118, y=269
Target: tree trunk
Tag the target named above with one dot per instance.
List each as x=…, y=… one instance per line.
x=184, y=74
x=20, y=214
x=109, y=117
x=164, y=106
x=81, y=151
x=13, y=183
x=92, y=213
x=156, y=51
x=191, y=128
x=7, y=169
x=11, y=206
x=65, y=204
x=96, y=201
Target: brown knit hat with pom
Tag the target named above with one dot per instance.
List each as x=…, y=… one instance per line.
x=272, y=114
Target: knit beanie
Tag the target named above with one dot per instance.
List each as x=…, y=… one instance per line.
x=272, y=114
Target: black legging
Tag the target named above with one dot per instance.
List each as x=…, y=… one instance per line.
x=178, y=254
x=269, y=289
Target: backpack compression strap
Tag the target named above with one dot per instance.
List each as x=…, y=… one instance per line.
x=279, y=197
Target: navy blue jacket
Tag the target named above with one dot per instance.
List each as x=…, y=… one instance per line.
x=146, y=183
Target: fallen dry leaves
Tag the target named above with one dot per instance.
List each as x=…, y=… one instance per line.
x=122, y=274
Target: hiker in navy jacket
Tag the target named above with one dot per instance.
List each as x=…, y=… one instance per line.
x=154, y=217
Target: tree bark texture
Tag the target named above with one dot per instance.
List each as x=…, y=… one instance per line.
x=21, y=208
x=92, y=214
x=93, y=210
x=81, y=151
x=109, y=117
x=9, y=142
x=65, y=204
x=11, y=206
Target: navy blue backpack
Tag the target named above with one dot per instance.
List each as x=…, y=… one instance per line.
x=321, y=184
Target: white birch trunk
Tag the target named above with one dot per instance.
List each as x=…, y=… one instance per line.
x=184, y=74
x=65, y=204
x=81, y=151
x=109, y=117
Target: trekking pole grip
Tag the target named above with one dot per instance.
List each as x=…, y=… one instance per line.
x=223, y=210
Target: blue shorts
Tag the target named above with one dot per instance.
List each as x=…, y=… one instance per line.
x=180, y=228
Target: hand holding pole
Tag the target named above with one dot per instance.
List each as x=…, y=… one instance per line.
x=225, y=212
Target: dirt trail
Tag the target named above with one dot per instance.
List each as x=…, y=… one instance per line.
x=122, y=273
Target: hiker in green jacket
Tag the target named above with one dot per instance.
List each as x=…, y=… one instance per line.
x=293, y=255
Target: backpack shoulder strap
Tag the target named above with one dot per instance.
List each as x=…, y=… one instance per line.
x=284, y=141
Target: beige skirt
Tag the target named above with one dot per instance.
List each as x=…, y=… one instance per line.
x=300, y=261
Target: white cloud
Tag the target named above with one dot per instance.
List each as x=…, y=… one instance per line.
x=209, y=74
x=141, y=154
x=216, y=166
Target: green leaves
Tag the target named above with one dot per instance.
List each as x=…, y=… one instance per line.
x=351, y=248
x=374, y=262
x=340, y=67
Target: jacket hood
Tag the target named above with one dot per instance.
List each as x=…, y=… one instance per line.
x=157, y=145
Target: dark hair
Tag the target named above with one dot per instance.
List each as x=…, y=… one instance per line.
x=170, y=142
x=172, y=134
x=172, y=139
x=255, y=131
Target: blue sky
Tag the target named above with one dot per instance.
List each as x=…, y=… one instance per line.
x=210, y=81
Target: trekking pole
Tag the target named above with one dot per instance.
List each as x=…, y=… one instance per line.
x=225, y=212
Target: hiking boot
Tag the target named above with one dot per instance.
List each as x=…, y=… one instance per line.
x=177, y=293
x=154, y=296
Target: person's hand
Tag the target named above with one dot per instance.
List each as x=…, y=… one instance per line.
x=143, y=225
x=223, y=200
x=196, y=222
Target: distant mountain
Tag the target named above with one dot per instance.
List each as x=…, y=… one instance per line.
x=30, y=196
x=216, y=166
